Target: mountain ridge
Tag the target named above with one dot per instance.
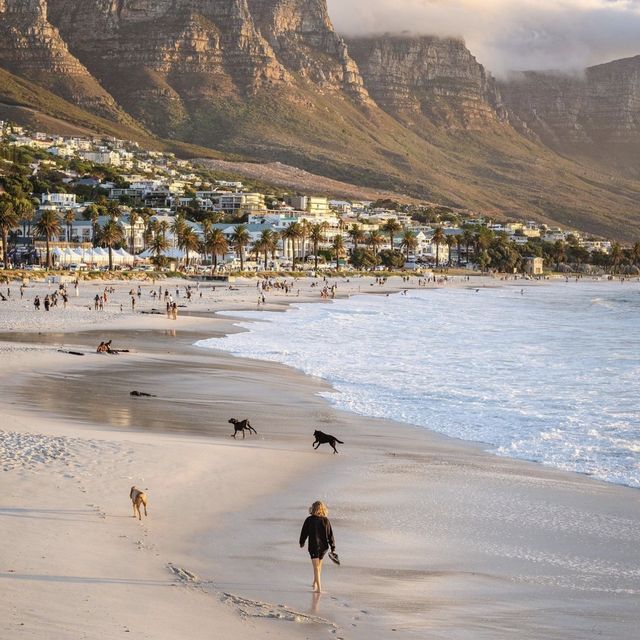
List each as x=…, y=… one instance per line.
x=271, y=80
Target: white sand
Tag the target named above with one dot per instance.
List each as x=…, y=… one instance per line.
x=438, y=539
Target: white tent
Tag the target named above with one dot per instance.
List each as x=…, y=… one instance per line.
x=72, y=256
x=57, y=255
x=96, y=257
x=123, y=256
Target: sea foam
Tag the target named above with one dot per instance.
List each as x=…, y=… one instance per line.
x=549, y=375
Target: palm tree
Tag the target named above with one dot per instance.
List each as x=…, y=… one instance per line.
x=190, y=242
x=8, y=221
x=256, y=249
x=615, y=256
x=267, y=244
x=113, y=209
x=162, y=228
x=134, y=216
x=178, y=227
x=450, y=241
x=216, y=244
x=111, y=235
x=159, y=244
x=49, y=227
x=357, y=235
x=69, y=218
x=467, y=237
x=409, y=242
x=92, y=212
x=438, y=238
x=292, y=233
x=316, y=235
x=240, y=240
x=338, y=248
x=375, y=240
x=304, y=234
x=391, y=226
x=459, y=241
x=145, y=216
x=559, y=252
x=481, y=240
x=206, y=225
x=25, y=209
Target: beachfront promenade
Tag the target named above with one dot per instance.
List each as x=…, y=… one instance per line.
x=438, y=538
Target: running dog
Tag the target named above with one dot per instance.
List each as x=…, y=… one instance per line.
x=138, y=498
x=241, y=425
x=325, y=438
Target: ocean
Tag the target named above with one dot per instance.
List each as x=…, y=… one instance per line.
x=550, y=375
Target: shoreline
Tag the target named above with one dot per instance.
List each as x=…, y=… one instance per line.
x=485, y=446
x=388, y=475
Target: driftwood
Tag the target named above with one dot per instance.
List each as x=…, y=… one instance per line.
x=72, y=353
x=141, y=394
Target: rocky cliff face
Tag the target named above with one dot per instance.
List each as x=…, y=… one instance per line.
x=434, y=77
x=32, y=47
x=162, y=59
x=215, y=38
x=597, y=113
x=299, y=30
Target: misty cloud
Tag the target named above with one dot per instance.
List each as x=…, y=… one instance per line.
x=508, y=34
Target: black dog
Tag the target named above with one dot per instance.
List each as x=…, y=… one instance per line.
x=325, y=438
x=241, y=425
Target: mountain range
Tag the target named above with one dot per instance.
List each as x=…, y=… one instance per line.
x=271, y=80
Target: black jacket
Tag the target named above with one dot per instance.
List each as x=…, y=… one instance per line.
x=319, y=532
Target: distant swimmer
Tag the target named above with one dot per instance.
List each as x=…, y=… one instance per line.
x=477, y=290
x=521, y=292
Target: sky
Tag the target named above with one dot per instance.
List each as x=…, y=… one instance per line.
x=506, y=35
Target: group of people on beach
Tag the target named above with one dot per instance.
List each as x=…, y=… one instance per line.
x=51, y=300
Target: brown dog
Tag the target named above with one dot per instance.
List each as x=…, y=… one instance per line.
x=138, y=498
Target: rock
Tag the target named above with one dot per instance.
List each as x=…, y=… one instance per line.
x=435, y=77
x=31, y=46
x=596, y=114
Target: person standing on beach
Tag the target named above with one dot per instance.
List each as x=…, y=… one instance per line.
x=317, y=529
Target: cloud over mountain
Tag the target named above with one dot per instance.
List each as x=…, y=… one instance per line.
x=508, y=34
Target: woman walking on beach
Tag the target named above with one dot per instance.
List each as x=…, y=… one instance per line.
x=317, y=529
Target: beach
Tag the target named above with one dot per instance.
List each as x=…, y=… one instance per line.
x=438, y=538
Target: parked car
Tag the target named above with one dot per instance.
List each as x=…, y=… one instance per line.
x=80, y=266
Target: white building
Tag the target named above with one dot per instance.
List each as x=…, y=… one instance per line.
x=59, y=199
x=597, y=245
x=102, y=157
